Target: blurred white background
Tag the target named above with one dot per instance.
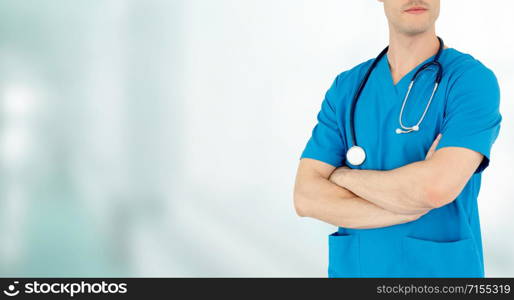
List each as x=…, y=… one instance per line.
x=161, y=138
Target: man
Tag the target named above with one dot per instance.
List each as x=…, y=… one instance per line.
x=410, y=210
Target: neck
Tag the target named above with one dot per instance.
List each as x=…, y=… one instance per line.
x=407, y=51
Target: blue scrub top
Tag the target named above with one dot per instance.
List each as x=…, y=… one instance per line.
x=445, y=242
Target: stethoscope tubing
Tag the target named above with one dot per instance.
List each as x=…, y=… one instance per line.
x=406, y=129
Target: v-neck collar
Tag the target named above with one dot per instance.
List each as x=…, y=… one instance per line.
x=407, y=77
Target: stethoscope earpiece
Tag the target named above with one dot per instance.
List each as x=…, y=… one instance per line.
x=411, y=129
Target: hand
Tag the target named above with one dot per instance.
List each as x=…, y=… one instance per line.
x=434, y=145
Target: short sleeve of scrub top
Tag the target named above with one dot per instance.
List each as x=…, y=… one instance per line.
x=472, y=119
x=326, y=143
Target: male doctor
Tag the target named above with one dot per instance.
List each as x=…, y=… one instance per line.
x=410, y=209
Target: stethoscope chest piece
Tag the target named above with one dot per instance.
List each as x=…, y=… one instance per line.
x=355, y=155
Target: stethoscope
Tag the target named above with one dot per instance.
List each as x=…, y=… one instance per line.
x=356, y=154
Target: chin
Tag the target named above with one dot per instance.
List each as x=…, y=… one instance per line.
x=415, y=32
x=415, y=29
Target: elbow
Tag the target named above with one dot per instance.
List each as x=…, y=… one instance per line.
x=436, y=195
x=300, y=202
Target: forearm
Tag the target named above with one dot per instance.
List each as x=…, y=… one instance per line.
x=332, y=204
x=402, y=190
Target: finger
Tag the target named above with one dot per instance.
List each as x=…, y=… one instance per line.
x=434, y=145
x=436, y=142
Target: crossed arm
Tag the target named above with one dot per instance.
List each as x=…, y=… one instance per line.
x=355, y=198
